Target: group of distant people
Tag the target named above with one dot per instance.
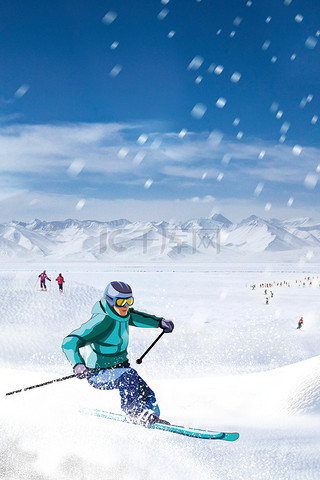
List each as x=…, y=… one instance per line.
x=43, y=277
x=265, y=286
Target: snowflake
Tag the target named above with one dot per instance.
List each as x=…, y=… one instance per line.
x=220, y=103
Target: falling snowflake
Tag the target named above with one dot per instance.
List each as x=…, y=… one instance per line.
x=156, y=144
x=138, y=158
x=218, y=70
x=236, y=122
x=219, y=31
x=293, y=56
x=211, y=68
x=268, y=19
x=142, y=139
x=287, y=2
x=318, y=168
x=258, y=189
x=285, y=127
x=274, y=59
x=290, y=201
x=311, y=181
x=215, y=137
x=309, y=254
x=204, y=175
x=21, y=91
x=226, y=159
x=148, y=183
x=262, y=154
x=279, y=114
x=196, y=63
x=267, y=207
x=249, y=3
x=76, y=167
x=237, y=21
x=239, y=135
x=165, y=2
x=220, y=103
x=303, y=102
x=198, y=110
x=123, y=152
x=162, y=15
x=235, y=77
x=80, y=204
x=198, y=79
x=232, y=34
x=266, y=45
x=171, y=34
x=311, y=42
x=297, y=150
x=114, y=45
x=115, y=71
x=109, y=17
x=220, y=177
x=314, y=119
x=182, y=133
x=298, y=18
x=282, y=139
x=274, y=107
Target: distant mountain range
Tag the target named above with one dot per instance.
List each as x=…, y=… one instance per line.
x=213, y=238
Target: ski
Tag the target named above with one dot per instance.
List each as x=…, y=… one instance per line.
x=186, y=431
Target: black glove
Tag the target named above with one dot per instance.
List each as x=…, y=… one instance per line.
x=166, y=325
x=81, y=371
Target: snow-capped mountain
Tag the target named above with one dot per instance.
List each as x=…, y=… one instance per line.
x=196, y=239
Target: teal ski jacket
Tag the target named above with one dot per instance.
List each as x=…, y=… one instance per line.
x=105, y=336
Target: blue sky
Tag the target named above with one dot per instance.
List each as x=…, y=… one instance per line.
x=159, y=109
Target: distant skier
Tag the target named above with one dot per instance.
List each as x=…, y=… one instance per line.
x=267, y=301
x=106, y=364
x=43, y=277
x=60, y=281
x=300, y=323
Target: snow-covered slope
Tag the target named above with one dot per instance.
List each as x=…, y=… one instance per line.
x=205, y=239
x=232, y=363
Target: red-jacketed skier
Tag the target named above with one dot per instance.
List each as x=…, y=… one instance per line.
x=60, y=281
x=300, y=323
x=43, y=277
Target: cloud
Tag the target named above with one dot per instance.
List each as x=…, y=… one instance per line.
x=89, y=159
x=206, y=199
x=52, y=148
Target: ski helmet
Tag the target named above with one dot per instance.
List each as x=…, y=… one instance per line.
x=115, y=290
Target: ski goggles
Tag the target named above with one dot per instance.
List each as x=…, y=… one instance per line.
x=121, y=302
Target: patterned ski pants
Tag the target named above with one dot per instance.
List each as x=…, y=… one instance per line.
x=136, y=396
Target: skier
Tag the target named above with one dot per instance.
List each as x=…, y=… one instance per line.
x=300, y=323
x=106, y=364
x=43, y=277
x=267, y=301
x=60, y=281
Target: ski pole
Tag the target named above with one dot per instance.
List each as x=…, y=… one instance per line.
x=139, y=360
x=41, y=384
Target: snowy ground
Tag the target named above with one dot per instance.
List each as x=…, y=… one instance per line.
x=233, y=363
